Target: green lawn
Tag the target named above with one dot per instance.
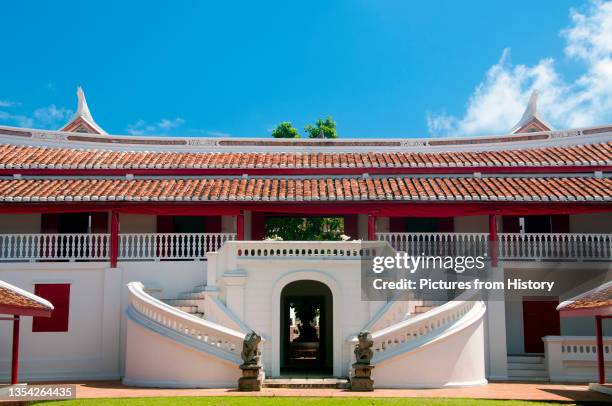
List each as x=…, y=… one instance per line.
x=288, y=401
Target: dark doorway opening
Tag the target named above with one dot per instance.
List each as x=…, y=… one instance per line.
x=306, y=329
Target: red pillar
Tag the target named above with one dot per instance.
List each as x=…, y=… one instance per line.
x=114, y=239
x=371, y=227
x=240, y=226
x=601, y=368
x=493, y=238
x=15, y=360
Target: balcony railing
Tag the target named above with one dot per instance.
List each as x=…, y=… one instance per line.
x=434, y=244
x=195, y=246
x=510, y=247
x=41, y=247
x=170, y=245
x=96, y=247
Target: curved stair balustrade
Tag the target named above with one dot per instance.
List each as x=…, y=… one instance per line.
x=425, y=328
x=182, y=327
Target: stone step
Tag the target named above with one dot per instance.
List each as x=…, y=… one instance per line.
x=187, y=309
x=182, y=302
x=526, y=366
x=527, y=373
x=422, y=309
x=201, y=295
x=528, y=378
x=526, y=359
x=307, y=383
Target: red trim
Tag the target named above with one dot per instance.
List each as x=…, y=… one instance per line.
x=603, y=311
x=493, y=238
x=15, y=355
x=114, y=239
x=240, y=226
x=371, y=227
x=601, y=369
x=383, y=208
x=306, y=171
x=6, y=309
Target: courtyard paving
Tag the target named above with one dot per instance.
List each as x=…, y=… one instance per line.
x=505, y=390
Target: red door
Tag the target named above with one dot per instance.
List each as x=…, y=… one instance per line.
x=540, y=318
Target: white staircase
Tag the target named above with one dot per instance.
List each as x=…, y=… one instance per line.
x=421, y=349
x=527, y=368
x=188, y=350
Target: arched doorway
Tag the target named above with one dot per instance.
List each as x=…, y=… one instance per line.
x=306, y=323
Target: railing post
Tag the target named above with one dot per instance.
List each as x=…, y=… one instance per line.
x=240, y=226
x=493, y=239
x=601, y=368
x=15, y=357
x=371, y=227
x=114, y=239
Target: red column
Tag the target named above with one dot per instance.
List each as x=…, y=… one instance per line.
x=114, y=239
x=240, y=226
x=15, y=360
x=371, y=227
x=493, y=238
x=601, y=369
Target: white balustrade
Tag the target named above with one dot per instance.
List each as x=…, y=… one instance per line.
x=305, y=249
x=574, y=358
x=395, y=338
x=221, y=339
x=510, y=246
x=443, y=244
x=183, y=246
x=71, y=247
x=588, y=247
x=170, y=245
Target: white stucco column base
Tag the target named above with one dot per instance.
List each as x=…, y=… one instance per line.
x=497, y=360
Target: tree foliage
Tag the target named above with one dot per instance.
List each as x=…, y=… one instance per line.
x=305, y=229
x=285, y=130
x=328, y=126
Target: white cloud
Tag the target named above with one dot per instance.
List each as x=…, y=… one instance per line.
x=49, y=117
x=163, y=126
x=8, y=103
x=499, y=100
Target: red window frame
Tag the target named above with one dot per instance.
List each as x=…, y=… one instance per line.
x=59, y=296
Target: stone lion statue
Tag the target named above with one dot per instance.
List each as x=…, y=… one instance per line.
x=363, y=349
x=250, y=349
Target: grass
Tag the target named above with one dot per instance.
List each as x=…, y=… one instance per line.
x=289, y=401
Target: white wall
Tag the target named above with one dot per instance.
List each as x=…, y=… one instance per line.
x=137, y=223
x=261, y=291
x=93, y=346
x=77, y=353
x=158, y=361
x=591, y=223
x=228, y=224
x=19, y=223
x=572, y=280
x=472, y=224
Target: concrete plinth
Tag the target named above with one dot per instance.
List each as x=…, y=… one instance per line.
x=252, y=378
x=361, y=380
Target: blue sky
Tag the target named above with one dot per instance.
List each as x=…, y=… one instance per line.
x=380, y=68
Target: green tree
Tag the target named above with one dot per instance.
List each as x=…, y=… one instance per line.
x=285, y=130
x=328, y=126
x=305, y=229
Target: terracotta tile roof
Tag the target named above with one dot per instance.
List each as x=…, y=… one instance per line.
x=599, y=297
x=14, y=297
x=298, y=189
x=29, y=157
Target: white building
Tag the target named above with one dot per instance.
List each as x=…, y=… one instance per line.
x=152, y=251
